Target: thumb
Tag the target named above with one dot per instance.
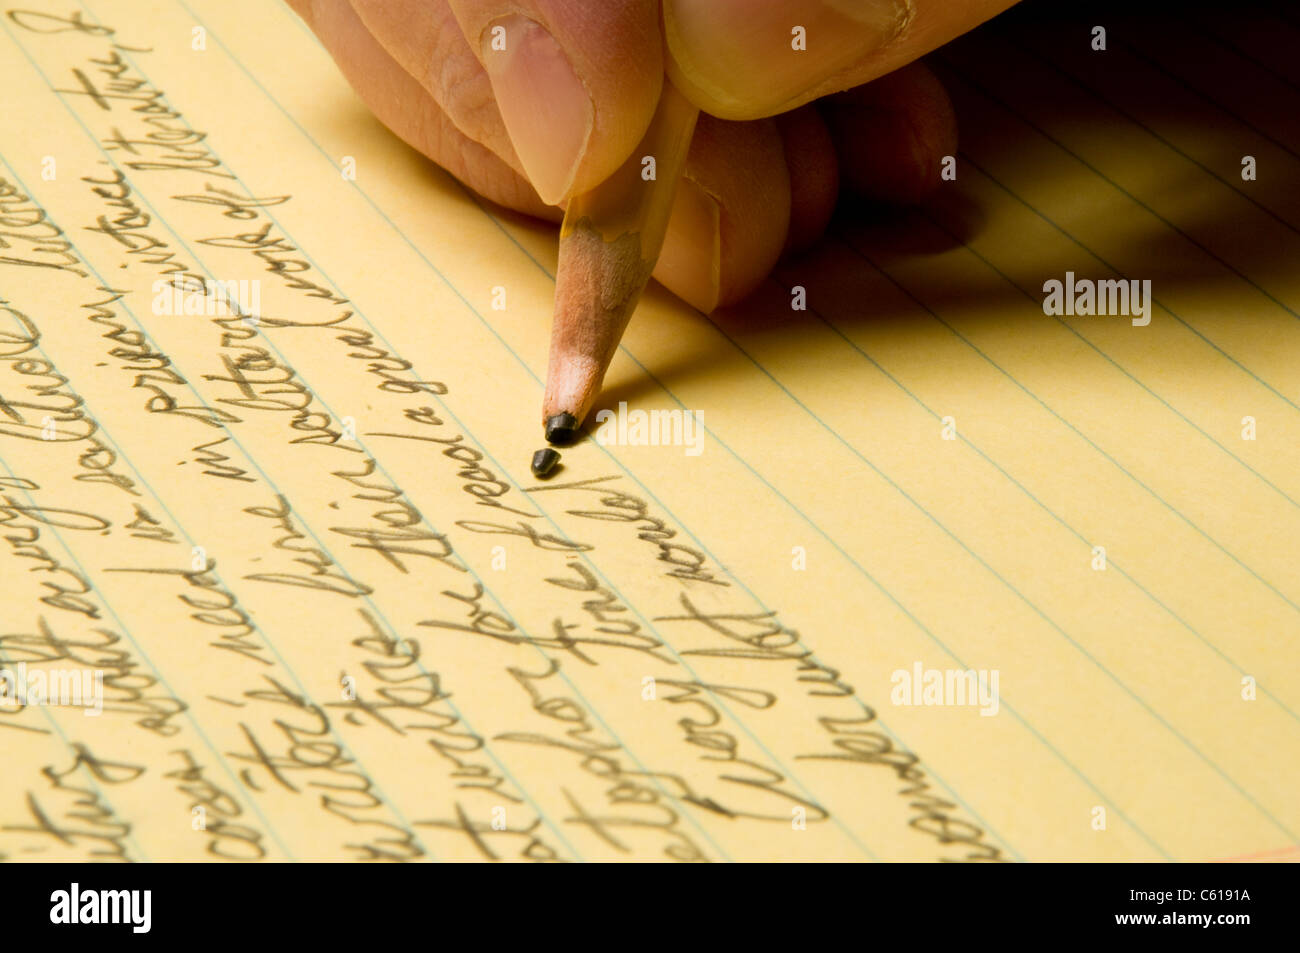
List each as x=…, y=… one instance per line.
x=743, y=59
x=576, y=82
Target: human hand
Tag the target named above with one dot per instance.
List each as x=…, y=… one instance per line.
x=529, y=102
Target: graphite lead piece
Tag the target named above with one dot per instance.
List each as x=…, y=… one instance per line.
x=544, y=461
x=561, y=428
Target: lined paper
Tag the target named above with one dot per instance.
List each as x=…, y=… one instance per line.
x=336, y=619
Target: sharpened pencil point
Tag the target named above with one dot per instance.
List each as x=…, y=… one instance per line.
x=544, y=462
x=561, y=429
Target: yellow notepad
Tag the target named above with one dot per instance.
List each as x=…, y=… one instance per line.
x=918, y=571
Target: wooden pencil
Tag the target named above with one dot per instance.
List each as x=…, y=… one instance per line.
x=609, y=242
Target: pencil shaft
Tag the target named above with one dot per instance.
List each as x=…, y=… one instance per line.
x=609, y=243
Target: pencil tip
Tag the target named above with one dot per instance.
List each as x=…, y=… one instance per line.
x=561, y=428
x=544, y=461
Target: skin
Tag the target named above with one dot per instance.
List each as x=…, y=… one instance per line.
x=782, y=131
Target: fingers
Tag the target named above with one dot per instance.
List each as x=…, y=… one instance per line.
x=751, y=190
x=755, y=190
x=731, y=214
x=575, y=82
x=742, y=59
x=403, y=105
x=733, y=211
x=814, y=175
x=425, y=40
x=891, y=135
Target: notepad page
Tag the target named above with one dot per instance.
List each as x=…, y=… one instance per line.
x=924, y=572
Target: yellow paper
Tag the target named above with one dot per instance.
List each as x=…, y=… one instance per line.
x=335, y=617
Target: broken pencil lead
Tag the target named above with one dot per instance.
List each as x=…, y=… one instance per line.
x=544, y=461
x=561, y=428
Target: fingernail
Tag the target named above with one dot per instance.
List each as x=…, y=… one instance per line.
x=690, y=264
x=547, y=109
x=743, y=59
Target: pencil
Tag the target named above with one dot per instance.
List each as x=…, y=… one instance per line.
x=609, y=242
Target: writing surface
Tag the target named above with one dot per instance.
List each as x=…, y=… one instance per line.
x=290, y=519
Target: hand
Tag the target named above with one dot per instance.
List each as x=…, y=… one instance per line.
x=529, y=102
